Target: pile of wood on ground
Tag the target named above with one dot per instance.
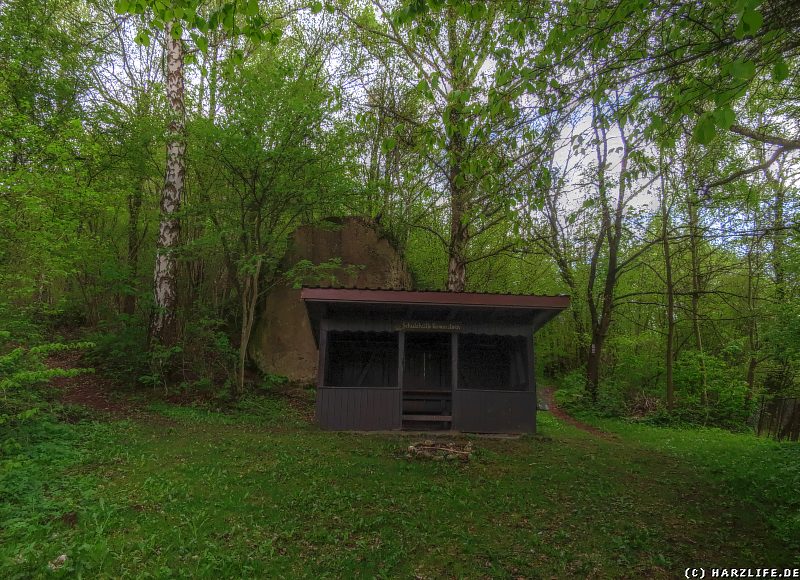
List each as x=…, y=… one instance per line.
x=439, y=450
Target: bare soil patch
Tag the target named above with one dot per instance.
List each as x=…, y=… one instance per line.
x=89, y=389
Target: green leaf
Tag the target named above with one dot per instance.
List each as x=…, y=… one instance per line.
x=726, y=97
x=228, y=17
x=316, y=7
x=724, y=117
x=743, y=69
x=657, y=122
x=705, y=130
x=251, y=8
x=751, y=21
x=143, y=38
x=477, y=11
x=780, y=72
x=202, y=43
x=388, y=144
x=274, y=36
x=121, y=6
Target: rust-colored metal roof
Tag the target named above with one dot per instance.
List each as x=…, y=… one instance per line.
x=433, y=298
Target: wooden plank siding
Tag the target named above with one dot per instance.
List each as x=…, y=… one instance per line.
x=491, y=411
x=359, y=409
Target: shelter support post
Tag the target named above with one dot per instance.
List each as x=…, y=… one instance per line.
x=454, y=360
x=401, y=357
x=530, y=357
x=323, y=353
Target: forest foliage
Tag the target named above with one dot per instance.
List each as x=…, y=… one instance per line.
x=641, y=157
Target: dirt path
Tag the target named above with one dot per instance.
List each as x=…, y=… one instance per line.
x=90, y=390
x=560, y=414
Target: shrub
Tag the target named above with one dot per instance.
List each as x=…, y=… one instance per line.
x=22, y=371
x=711, y=392
x=207, y=354
x=204, y=357
x=121, y=349
x=574, y=398
x=270, y=382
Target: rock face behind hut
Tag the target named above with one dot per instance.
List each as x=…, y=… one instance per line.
x=282, y=343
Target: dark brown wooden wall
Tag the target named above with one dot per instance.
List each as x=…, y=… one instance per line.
x=359, y=409
x=494, y=411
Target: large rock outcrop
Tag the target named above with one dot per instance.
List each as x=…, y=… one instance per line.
x=282, y=343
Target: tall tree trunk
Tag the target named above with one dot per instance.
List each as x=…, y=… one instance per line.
x=778, y=254
x=594, y=355
x=165, y=321
x=580, y=327
x=250, y=289
x=456, y=150
x=457, y=266
x=752, y=323
x=694, y=246
x=557, y=248
x=601, y=308
x=779, y=238
x=213, y=74
x=134, y=208
x=669, y=354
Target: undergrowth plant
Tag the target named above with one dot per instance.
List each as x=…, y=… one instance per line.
x=22, y=370
x=203, y=359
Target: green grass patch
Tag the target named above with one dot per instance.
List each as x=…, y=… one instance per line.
x=269, y=410
x=48, y=475
x=191, y=492
x=763, y=472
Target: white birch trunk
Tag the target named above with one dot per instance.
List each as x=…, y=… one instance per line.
x=164, y=328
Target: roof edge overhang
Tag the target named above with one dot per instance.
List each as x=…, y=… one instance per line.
x=434, y=298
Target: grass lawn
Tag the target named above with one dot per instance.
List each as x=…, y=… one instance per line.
x=187, y=492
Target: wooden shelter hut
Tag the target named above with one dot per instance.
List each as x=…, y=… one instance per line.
x=401, y=359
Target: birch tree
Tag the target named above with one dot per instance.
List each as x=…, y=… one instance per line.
x=234, y=18
x=164, y=328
